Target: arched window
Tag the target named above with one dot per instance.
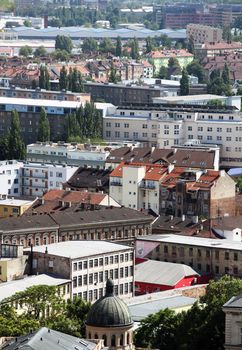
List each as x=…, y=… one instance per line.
x=95, y=336
x=113, y=340
x=105, y=340
x=122, y=340
x=89, y=336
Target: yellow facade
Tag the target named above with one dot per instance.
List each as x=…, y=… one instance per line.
x=8, y=210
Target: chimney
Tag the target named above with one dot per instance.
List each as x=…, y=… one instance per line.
x=195, y=219
x=170, y=168
x=183, y=217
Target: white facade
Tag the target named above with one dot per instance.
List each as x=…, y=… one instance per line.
x=165, y=127
x=10, y=177
x=39, y=178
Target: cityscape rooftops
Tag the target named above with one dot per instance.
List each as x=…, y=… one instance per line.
x=169, y=53
x=79, y=249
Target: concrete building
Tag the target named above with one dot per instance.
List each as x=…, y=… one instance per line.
x=113, y=224
x=173, y=190
x=38, y=178
x=10, y=177
x=13, y=263
x=12, y=206
x=233, y=329
x=209, y=257
x=88, y=264
x=165, y=126
x=201, y=34
x=66, y=153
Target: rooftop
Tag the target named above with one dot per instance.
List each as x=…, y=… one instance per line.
x=8, y=289
x=234, y=302
x=160, y=272
x=80, y=249
x=15, y=202
x=190, y=98
x=193, y=241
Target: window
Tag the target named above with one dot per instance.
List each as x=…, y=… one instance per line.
x=189, y=128
x=144, y=126
x=75, y=266
x=117, y=134
x=229, y=129
x=79, y=280
x=135, y=135
x=101, y=276
x=200, y=128
x=90, y=263
x=219, y=129
x=165, y=249
x=126, y=135
x=126, y=125
x=117, y=125
x=108, y=124
x=216, y=269
x=209, y=129
x=74, y=282
x=209, y=137
x=229, y=138
x=108, y=133
x=235, y=256
x=226, y=255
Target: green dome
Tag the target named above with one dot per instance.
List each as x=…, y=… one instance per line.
x=109, y=311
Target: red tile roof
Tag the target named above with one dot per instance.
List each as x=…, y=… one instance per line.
x=74, y=196
x=153, y=172
x=169, y=53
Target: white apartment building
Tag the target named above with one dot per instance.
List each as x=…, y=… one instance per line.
x=88, y=264
x=167, y=126
x=10, y=175
x=39, y=178
x=137, y=186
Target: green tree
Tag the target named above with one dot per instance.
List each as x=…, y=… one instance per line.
x=44, y=127
x=184, y=83
x=113, y=77
x=40, y=52
x=118, y=50
x=163, y=73
x=4, y=148
x=149, y=44
x=225, y=74
x=173, y=67
x=63, y=80
x=16, y=147
x=77, y=309
x=190, y=45
x=63, y=42
x=47, y=79
x=27, y=23
x=134, y=49
x=61, y=55
x=227, y=35
x=25, y=51
x=42, y=77
x=106, y=46
x=196, y=69
x=89, y=45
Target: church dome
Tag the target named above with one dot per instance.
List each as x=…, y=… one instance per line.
x=109, y=311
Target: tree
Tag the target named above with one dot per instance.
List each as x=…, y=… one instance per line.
x=134, y=49
x=173, y=67
x=163, y=73
x=63, y=80
x=225, y=74
x=44, y=127
x=44, y=78
x=47, y=79
x=63, y=42
x=89, y=45
x=4, y=148
x=77, y=309
x=227, y=36
x=149, y=44
x=106, y=46
x=61, y=55
x=184, y=83
x=25, y=51
x=27, y=23
x=113, y=77
x=118, y=50
x=190, y=45
x=40, y=52
x=16, y=147
x=196, y=69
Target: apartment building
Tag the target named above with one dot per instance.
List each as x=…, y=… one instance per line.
x=233, y=330
x=201, y=34
x=66, y=153
x=173, y=190
x=38, y=178
x=165, y=126
x=207, y=256
x=13, y=262
x=10, y=177
x=88, y=264
x=13, y=206
x=120, y=225
x=29, y=114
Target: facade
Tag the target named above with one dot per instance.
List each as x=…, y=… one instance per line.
x=13, y=207
x=207, y=256
x=173, y=190
x=10, y=177
x=66, y=153
x=110, y=319
x=165, y=126
x=29, y=114
x=233, y=329
x=109, y=224
x=201, y=34
x=38, y=178
x=161, y=58
x=155, y=276
x=219, y=49
x=88, y=264
x=12, y=262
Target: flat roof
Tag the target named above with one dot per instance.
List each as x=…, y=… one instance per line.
x=193, y=241
x=8, y=289
x=80, y=249
x=15, y=202
x=191, y=98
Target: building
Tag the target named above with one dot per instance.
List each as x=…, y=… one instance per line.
x=12, y=262
x=233, y=330
x=219, y=49
x=29, y=114
x=207, y=256
x=148, y=69
x=8, y=289
x=10, y=177
x=109, y=319
x=38, y=178
x=16, y=92
x=88, y=264
x=165, y=126
x=13, y=206
x=112, y=224
x=71, y=201
x=46, y=338
x=154, y=276
x=173, y=190
x=161, y=58
x=201, y=34
x=67, y=153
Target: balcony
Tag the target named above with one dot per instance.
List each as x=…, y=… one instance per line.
x=147, y=186
x=116, y=183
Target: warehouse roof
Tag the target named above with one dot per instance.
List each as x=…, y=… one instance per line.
x=79, y=249
x=160, y=272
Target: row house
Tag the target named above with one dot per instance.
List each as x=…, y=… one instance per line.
x=173, y=190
